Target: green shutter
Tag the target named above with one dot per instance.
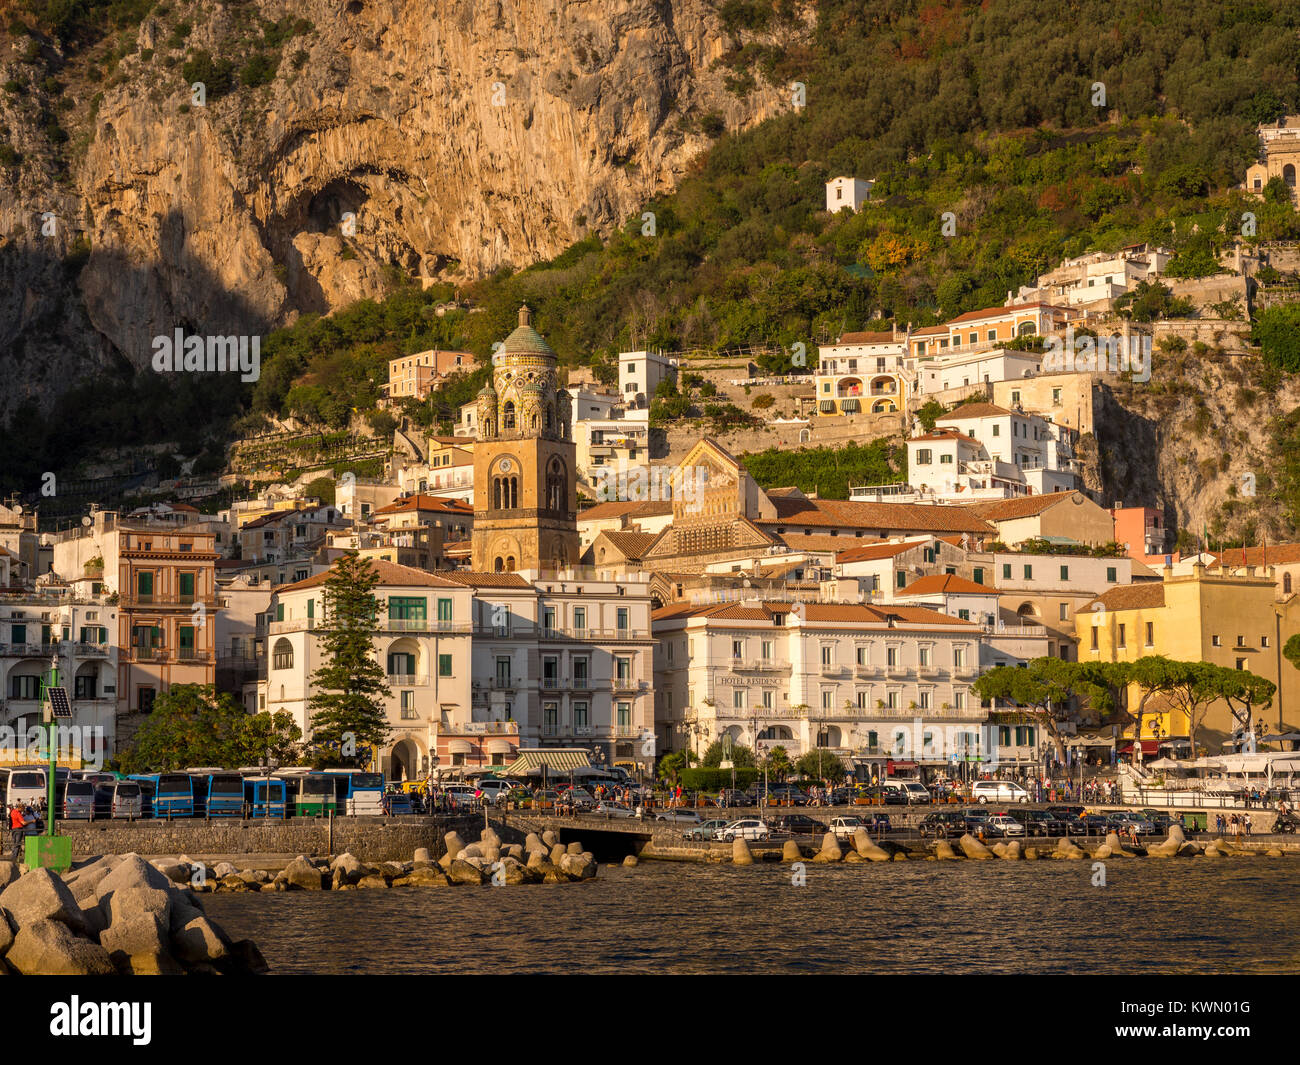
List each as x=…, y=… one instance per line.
x=444, y=665
x=144, y=583
x=187, y=637
x=279, y=611
x=311, y=608
x=444, y=609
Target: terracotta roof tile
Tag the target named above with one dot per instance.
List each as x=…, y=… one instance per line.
x=648, y=508
x=1020, y=507
x=922, y=517
x=948, y=583
x=878, y=550
x=632, y=545
x=870, y=338
x=390, y=574
x=1272, y=555
x=1142, y=596
x=1002, y=312
x=408, y=504
x=485, y=580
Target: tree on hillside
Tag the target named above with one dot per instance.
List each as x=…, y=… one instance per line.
x=1045, y=688
x=348, y=707
x=190, y=724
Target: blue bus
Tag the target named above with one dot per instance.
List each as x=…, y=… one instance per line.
x=172, y=794
x=217, y=792
x=265, y=797
x=358, y=792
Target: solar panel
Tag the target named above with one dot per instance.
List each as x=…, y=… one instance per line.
x=60, y=704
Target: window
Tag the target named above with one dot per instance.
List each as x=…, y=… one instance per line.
x=185, y=583
x=891, y=656
x=828, y=699
x=1006, y=571
x=144, y=699
x=444, y=610
x=25, y=686
x=1214, y=641
x=1241, y=641
x=622, y=619
x=624, y=716
x=828, y=654
x=923, y=656
x=581, y=669
x=737, y=649
x=891, y=700
x=979, y=574
x=766, y=650
x=408, y=706
x=862, y=655
x=1065, y=573
x=550, y=671
x=1056, y=397
x=1029, y=573
x=738, y=699
x=400, y=664
x=902, y=579
x=959, y=700
x=767, y=698
x=580, y=619
x=623, y=668
x=924, y=456
x=550, y=718
x=580, y=716
x=84, y=687
x=1120, y=641
x=444, y=665
x=963, y=614
x=1241, y=663
x=925, y=700
x=959, y=657
x=185, y=640
x=548, y=619
x=1094, y=637
x=503, y=671
x=144, y=586
x=1263, y=641
x=997, y=430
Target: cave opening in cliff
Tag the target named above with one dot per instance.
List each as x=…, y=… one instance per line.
x=326, y=209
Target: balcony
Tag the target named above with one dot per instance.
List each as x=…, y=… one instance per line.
x=629, y=732
x=834, y=669
x=861, y=670
x=90, y=650
x=26, y=650
x=407, y=680
x=897, y=669
x=629, y=686
x=761, y=665
x=929, y=670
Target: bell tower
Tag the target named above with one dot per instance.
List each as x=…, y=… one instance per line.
x=525, y=501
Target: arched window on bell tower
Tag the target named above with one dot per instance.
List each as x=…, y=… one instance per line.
x=496, y=493
x=508, y=415
x=556, y=486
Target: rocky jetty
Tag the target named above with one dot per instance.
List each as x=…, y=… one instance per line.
x=112, y=915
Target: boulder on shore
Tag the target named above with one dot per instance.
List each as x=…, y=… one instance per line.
x=973, y=848
x=830, y=849
x=790, y=851
x=740, y=854
x=49, y=948
x=864, y=845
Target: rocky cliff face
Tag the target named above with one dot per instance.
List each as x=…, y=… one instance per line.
x=443, y=140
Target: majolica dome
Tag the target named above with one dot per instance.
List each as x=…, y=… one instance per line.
x=526, y=340
x=487, y=392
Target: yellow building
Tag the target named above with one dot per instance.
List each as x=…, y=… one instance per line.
x=1229, y=617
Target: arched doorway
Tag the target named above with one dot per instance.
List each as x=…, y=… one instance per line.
x=404, y=762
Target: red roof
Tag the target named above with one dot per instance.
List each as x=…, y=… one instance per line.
x=947, y=583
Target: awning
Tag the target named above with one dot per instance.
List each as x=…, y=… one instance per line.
x=1148, y=747
x=499, y=746
x=557, y=760
x=827, y=406
x=850, y=406
x=460, y=747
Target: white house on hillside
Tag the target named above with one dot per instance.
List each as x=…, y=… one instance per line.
x=847, y=192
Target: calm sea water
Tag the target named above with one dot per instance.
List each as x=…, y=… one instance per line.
x=1168, y=916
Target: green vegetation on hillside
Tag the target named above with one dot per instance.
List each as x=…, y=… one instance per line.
x=828, y=471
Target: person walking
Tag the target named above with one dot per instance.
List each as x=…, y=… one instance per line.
x=1245, y=824
x=18, y=829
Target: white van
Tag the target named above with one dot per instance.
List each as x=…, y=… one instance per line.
x=26, y=785
x=985, y=791
x=912, y=791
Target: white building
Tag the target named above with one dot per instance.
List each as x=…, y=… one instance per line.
x=980, y=451
x=974, y=369
x=847, y=192
x=860, y=681
x=639, y=374
x=1096, y=278
x=569, y=659
x=81, y=630
x=423, y=640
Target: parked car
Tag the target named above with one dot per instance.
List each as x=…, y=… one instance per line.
x=680, y=814
x=734, y=797
x=1074, y=824
x=1004, y=825
x=1123, y=821
x=545, y=799
x=1159, y=818
x=876, y=794
x=121, y=799
x=841, y=796
x=747, y=828
x=398, y=802
x=877, y=823
x=999, y=791
x=76, y=800
x=801, y=825
x=706, y=829
x=459, y=795
x=578, y=798
x=495, y=791
x=844, y=827
x=1096, y=824
x=943, y=824
x=912, y=791
x=976, y=819
x=1041, y=823
x=608, y=808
